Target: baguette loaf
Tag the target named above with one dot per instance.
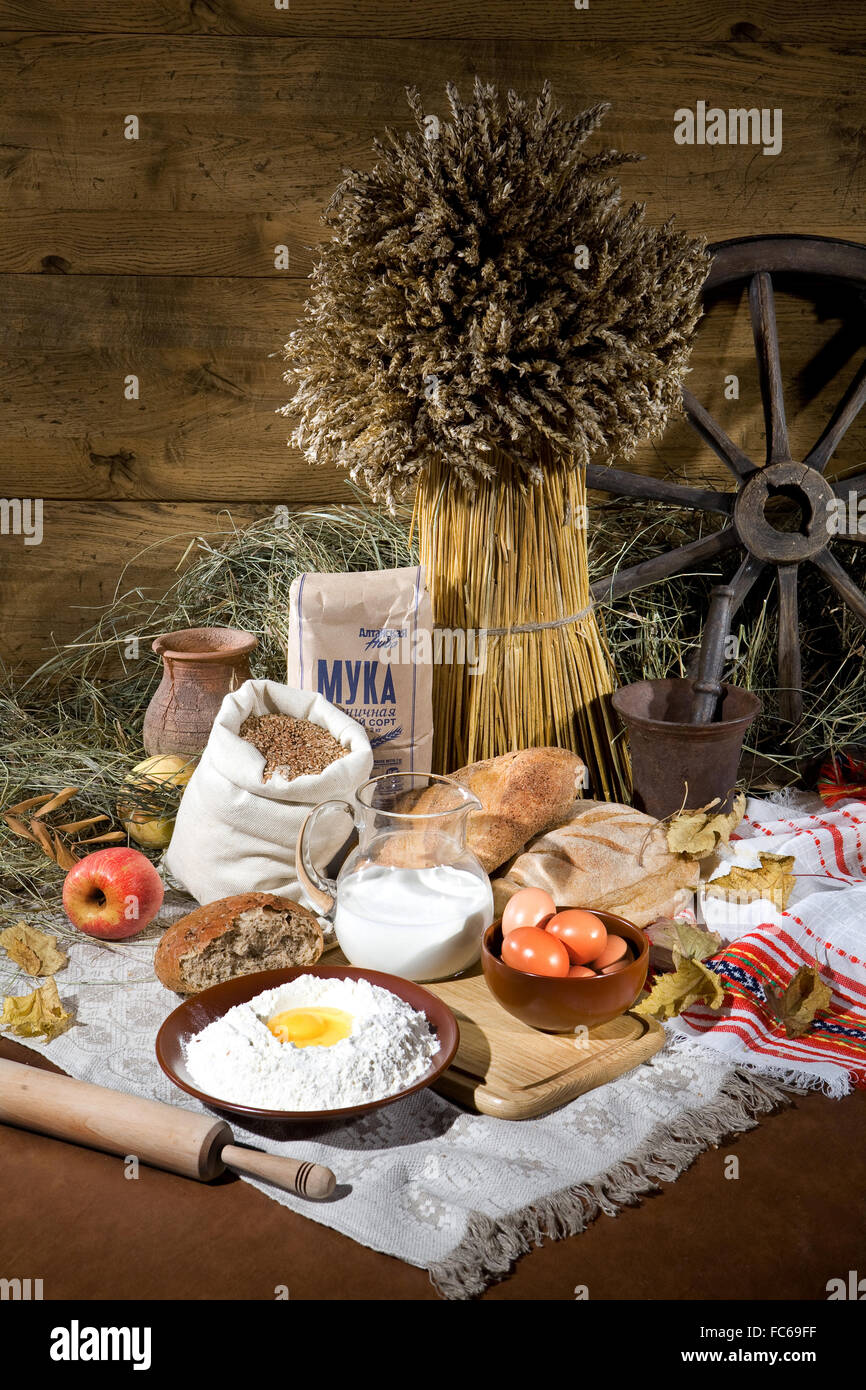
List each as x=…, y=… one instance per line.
x=236, y=936
x=522, y=794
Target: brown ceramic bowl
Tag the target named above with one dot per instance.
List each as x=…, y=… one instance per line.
x=559, y=1006
x=196, y=1012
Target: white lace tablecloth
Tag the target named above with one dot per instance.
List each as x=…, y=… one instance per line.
x=461, y=1195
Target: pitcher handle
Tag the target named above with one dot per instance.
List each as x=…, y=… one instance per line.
x=321, y=891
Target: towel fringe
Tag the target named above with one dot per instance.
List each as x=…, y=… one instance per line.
x=489, y=1249
x=830, y=1078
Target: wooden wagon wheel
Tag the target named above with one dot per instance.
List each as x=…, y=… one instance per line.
x=756, y=260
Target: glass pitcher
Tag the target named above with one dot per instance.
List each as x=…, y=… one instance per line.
x=411, y=899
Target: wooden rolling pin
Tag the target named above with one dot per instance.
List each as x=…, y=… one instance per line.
x=160, y=1135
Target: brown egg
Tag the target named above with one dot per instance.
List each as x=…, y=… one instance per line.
x=581, y=932
x=580, y=972
x=614, y=950
x=531, y=907
x=531, y=950
x=617, y=965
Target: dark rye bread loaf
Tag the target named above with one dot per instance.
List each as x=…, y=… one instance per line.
x=236, y=936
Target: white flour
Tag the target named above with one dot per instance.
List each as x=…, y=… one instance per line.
x=237, y=1057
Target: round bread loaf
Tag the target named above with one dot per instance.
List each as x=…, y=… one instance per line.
x=609, y=857
x=236, y=936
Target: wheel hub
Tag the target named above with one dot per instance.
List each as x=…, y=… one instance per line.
x=783, y=511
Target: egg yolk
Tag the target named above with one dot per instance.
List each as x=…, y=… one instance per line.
x=311, y=1027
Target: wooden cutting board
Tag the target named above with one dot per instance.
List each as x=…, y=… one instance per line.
x=505, y=1068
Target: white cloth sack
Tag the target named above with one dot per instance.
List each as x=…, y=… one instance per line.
x=235, y=833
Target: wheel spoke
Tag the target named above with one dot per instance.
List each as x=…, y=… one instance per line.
x=790, y=666
x=856, y=483
x=712, y=433
x=763, y=311
x=750, y=570
x=624, y=484
x=842, y=583
x=841, y=420
x=685, y=557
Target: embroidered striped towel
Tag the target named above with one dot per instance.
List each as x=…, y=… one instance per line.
x=824, y=922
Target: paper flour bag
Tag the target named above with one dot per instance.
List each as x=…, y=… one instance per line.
x=365, y=642
x=236, y=833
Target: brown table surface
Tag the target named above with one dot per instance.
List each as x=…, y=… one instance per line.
x=791, y=1221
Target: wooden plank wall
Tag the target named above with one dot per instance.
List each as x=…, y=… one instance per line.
x=155, y=256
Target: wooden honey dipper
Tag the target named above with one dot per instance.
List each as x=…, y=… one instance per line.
x=162, y=1136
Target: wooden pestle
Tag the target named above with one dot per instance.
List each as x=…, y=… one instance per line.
x=708, y=685
x=163, y=1136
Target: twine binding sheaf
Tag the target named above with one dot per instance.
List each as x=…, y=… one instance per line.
x=489, y=1249
x=527, y=627
x=535, y=627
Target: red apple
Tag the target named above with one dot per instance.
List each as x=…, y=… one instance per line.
x=113, y=893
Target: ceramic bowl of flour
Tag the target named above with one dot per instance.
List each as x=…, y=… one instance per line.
x=220, y=1047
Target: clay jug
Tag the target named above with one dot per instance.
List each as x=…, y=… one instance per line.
x=200, y=666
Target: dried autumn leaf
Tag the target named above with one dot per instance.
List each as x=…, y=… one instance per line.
x=694, y=943
x=696, y=834
x=689, y=983
x=70, y=827
x=19, y=828
x=112, y=837
x=662, y=938
x=21, y=806
x=36, y=1015
x=35, y=951
x=64, y=856
x=796, y=1006
x=43, y=838
x=774, y=880
x=55, y=802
